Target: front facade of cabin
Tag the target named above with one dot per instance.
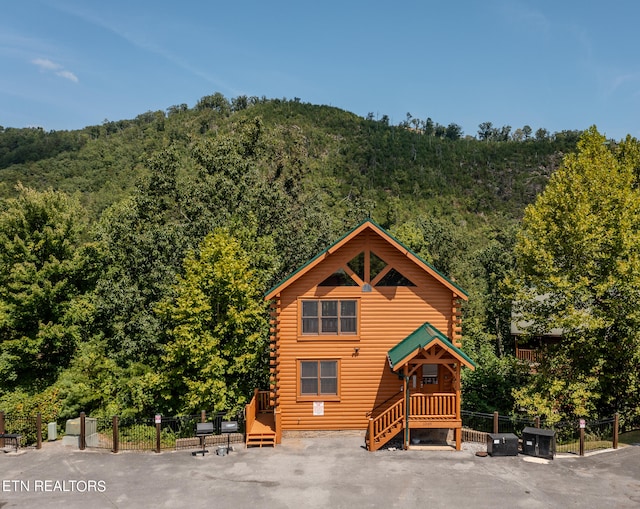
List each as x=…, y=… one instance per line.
x=364, y=336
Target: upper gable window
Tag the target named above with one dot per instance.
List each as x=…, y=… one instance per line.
x=339, y=278
x=377, y=265
x=394, y=278
x=357, y=265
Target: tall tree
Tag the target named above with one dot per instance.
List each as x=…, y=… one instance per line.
x=578, y=268
x=218, y=329
x=43, y=279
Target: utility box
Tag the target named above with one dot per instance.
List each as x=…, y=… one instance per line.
x=72, y=432
x=52, y=432
x=539, y=442
x=502, y=444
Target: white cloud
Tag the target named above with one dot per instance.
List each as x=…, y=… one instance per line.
x=47, y=65
x=68, y=75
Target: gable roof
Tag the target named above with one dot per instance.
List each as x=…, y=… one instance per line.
x=424, y=336
x=384, y=234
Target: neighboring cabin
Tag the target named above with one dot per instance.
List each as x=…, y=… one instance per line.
x=362, y=333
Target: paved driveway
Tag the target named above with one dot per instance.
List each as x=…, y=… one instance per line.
x=316, y=473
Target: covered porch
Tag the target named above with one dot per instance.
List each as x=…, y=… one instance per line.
x=429, y=365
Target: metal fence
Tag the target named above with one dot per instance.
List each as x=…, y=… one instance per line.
x=148, y=435
x=570, y=436
x=25, y=425
x=495, y=423
x=596, y=435
x=122, y=434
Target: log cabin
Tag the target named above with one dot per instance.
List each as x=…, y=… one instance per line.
x=365, y=336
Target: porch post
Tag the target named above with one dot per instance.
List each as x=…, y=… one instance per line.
x=407, y=405
x=458, y=388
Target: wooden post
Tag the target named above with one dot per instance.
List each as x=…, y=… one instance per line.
x=407, y=403
x=278, y=417
x=2, y=428
x=495, y=422
x=616, y=425
x=581, y=441
x=116, y=435
x=38, y=430
x=83, y=431
x=158, y=429
x=203, y=416
x=370, y=434
x=536, y=421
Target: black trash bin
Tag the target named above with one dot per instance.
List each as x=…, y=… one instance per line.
x=539, y=442
x=502, y=444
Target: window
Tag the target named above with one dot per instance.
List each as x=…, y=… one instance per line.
x=319, y=378
x=430, y=374
x=335, y=317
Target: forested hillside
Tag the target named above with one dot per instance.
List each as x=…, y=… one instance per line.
x=125, y=245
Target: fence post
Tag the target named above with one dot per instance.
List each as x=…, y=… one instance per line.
x=536, y=421
x=83, y=430
x=581, y=441
x=116, y=434
x=495, y=422
x=616, y=425
x=158, y=429
x=39, y=430
x=1, y=428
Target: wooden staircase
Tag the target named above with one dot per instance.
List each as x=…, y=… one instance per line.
x=385, y=426
x=260, y=421
x=262, y=432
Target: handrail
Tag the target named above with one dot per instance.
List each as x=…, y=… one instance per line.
x=385, y=422
x=250, y=413
x=371, y=412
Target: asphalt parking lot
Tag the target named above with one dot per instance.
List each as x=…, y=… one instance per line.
x=331, y=472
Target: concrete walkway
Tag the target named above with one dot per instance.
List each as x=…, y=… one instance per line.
x=331, y=472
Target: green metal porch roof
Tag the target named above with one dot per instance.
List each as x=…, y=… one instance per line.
x=422, y=337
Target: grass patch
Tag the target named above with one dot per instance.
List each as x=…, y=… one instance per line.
x=630, y=437
x=592, y=445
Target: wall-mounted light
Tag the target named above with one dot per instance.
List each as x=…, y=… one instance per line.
x=356, y=351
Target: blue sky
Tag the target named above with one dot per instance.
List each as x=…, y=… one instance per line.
x=555, y=64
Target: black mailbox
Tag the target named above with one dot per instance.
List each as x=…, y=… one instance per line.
x=502, y=444
x=539, y=442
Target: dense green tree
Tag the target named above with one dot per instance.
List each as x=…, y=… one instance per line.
x=44, y=277
x=578, y=268
x=217, y=330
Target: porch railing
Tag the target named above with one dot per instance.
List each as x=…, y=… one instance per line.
x=528, y=355
x=432, y=406
x=263, y=401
